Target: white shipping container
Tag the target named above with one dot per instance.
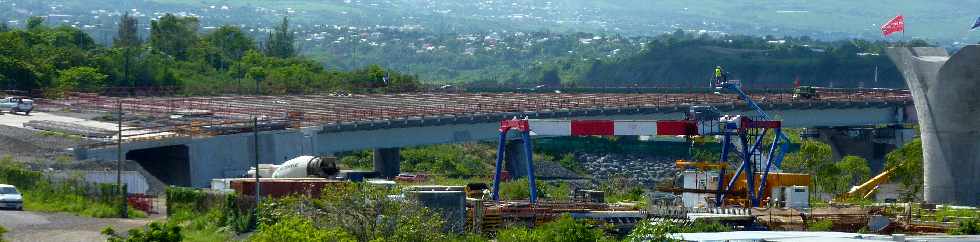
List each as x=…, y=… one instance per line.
x=699, y=180
x=135, y=182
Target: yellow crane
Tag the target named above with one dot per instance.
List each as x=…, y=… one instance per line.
x=867, y=188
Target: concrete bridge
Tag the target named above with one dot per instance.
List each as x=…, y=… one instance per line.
x=326, y=124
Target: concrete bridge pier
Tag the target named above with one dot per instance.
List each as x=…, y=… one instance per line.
x=944, y=89
x=387, y=162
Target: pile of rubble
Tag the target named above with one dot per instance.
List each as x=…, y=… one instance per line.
x=642, y=169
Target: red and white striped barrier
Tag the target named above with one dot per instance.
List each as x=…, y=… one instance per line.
x=549, y=127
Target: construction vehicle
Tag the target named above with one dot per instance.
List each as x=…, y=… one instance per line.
x=866, y=189
x=805, y=92
x=17, y=104
x=299, y=167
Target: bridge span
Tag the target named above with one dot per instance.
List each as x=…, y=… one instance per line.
x=190, y=140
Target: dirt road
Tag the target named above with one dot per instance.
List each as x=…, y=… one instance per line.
x=60, y=227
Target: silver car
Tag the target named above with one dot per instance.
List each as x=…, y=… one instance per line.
x=10, y=198
x=17, y=104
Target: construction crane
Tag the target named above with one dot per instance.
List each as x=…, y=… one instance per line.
x=737, y=133
x=868, y=187
x=742, y=138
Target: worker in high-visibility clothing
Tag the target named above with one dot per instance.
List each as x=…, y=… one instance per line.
x=719, y=75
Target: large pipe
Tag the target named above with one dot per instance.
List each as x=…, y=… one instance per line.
x=947, y=102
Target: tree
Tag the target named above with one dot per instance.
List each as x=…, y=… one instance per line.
x=230, y=41
x=812, y=155
x=81, y=78
x=280, y=41
x=35, y=22
x=550, y=78
x=564, y=229
x=4, y=27
x=128, y=33
x=909, y=169
x=854, y=170
x=174, y=35
x=16, y=74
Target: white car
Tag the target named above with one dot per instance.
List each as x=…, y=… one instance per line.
x=17, y=104
x=10, y=198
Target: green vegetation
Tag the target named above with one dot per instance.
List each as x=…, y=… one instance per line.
x=2, y=231
x=294, y=228
x=73, y=195
x=204, y=216
x=829, y=176
x=61, y=59
x=967, y=227
x=352, y=213
x=908, y=159
x=565, y=229
x=455, y=161
x=946, y=214
x=684, y=58
x=649, y=230
x=156, y=232
x=820, y=225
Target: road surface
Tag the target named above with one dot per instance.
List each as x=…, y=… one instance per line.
x=60, y=227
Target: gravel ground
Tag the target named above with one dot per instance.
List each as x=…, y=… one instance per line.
x=60, y=227
x=29, y=145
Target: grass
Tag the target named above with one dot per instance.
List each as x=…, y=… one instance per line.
x=820, y=225
x=200, y=228
x=945, y=214
x=41, y=194
x=46, y=133
x=47, y=201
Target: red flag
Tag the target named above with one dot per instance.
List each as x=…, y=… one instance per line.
x=897, y=24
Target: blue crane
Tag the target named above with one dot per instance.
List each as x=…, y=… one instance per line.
x=742, y=137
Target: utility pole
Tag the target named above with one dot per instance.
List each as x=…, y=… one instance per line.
x=255, y=132
x=119, y=161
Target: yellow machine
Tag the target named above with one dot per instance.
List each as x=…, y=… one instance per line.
x=867, y=188
x=738, y=191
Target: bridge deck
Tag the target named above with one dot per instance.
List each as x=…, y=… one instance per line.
x=156, y=113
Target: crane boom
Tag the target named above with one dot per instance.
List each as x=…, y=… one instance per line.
x=867, y=188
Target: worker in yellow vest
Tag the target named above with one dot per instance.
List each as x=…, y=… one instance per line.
x=719, y=75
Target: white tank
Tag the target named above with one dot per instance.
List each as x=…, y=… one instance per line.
x=265, y=170
x=307, y=166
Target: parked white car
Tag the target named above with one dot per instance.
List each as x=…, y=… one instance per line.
x=17, y=104
x=10, y=198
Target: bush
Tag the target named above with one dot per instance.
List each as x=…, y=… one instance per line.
x=660, y=231
x=362, y=211
x=296, y=229
x=155, y=232
x=967, y=227
x=565, y=229
x=221, y=210
x=73, y=195
x=820, y=225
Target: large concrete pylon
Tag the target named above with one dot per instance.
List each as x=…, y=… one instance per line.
x=946, y=92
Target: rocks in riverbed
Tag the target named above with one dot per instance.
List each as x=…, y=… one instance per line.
x=646, y=170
